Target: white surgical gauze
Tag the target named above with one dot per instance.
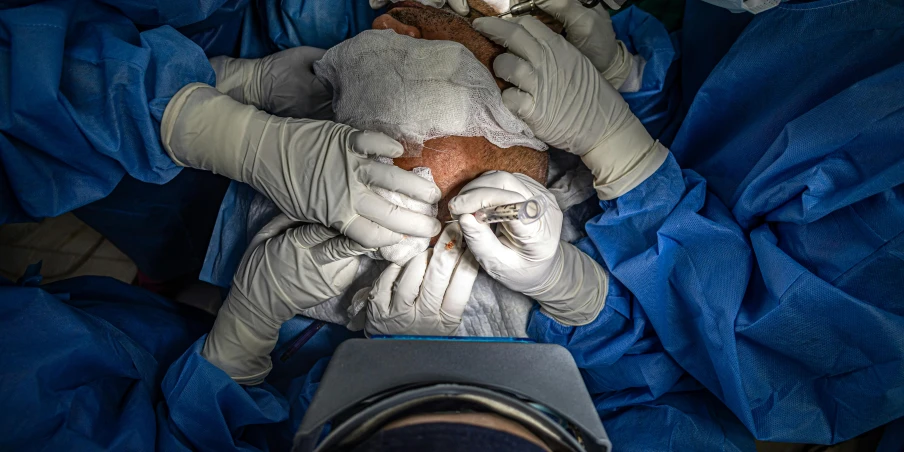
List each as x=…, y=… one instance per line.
x=402, y=252
x=415, y=90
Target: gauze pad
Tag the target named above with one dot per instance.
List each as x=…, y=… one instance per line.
x=415, y=90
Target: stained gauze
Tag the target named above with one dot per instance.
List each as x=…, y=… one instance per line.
x=415, y=90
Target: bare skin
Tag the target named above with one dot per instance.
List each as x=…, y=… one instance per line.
x=455, y=161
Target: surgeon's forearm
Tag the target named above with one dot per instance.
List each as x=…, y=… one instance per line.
x=240, y=343
x=619, y=68
x=624, y=161
x=205, y=129
x=579, y=292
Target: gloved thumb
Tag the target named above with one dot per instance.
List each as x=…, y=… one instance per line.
x=276, y=226
x=336, y=249
x=369, y=144
x=483, y=197
x=459, y=6
x=481, y=240
x=309, y=235
x=573, y=15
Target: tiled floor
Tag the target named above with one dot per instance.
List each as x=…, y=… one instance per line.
x=67, y=248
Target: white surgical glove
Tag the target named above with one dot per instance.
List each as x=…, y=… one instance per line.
x=529, y=258
x=459, y=6
x=281, y=84
x=565, y=101
x=590, y=31
x=283, y=271
x=315, y=171
x=428, y=296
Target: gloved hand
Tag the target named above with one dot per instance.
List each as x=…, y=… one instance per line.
x=283, y=271
x=590, y=31
x=282, y=84
x=427, y=296
x=315, y=171
x=563, y=99
x=459, y=6
x=529, y=258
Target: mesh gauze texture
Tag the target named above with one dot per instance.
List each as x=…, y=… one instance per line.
x=414, y=90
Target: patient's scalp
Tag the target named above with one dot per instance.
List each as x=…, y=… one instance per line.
x=455, y=161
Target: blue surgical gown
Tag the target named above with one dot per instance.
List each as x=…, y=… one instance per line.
x=83, y=85
x=765, y=258
x=768, y=309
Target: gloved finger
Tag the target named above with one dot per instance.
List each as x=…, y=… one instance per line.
x=337, y=249
x=518, y=102
x=308, y=235
x=276, y=226
x=483, y=197
x=502, y=180
x=377, y=4
x=380, y=299
x=516, y=71
x=537, y=29
x=439, y=272
x=370, y=234
x=369, y=143
x=576, y=18
x=340, y=275
x=408, y=285
x=459, y=6
x=398, y=180
x=303, y=56
x=483, y=243
x=459, y=291
x=529, y=185
x=510, y=35
x=396, y=218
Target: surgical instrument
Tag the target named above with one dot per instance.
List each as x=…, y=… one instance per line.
x=526, y=211
x=530, y=7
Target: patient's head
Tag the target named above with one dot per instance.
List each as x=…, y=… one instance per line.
x=426, y=22
x=415, y=85
x=459, y=159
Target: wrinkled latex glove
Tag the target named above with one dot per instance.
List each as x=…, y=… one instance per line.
x=529, y=258
x=459, y=6
x=428, y=296
x=590, y=31
x=283, y=272
x=563, y=99
x=281, y=84
x=315, y=171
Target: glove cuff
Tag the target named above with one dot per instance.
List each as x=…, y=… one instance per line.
x=237, y=343
x=239, y=78
x=576, y=291
x=204, y=129
x=624, y=160
x=620, y=67
x=634, y=81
